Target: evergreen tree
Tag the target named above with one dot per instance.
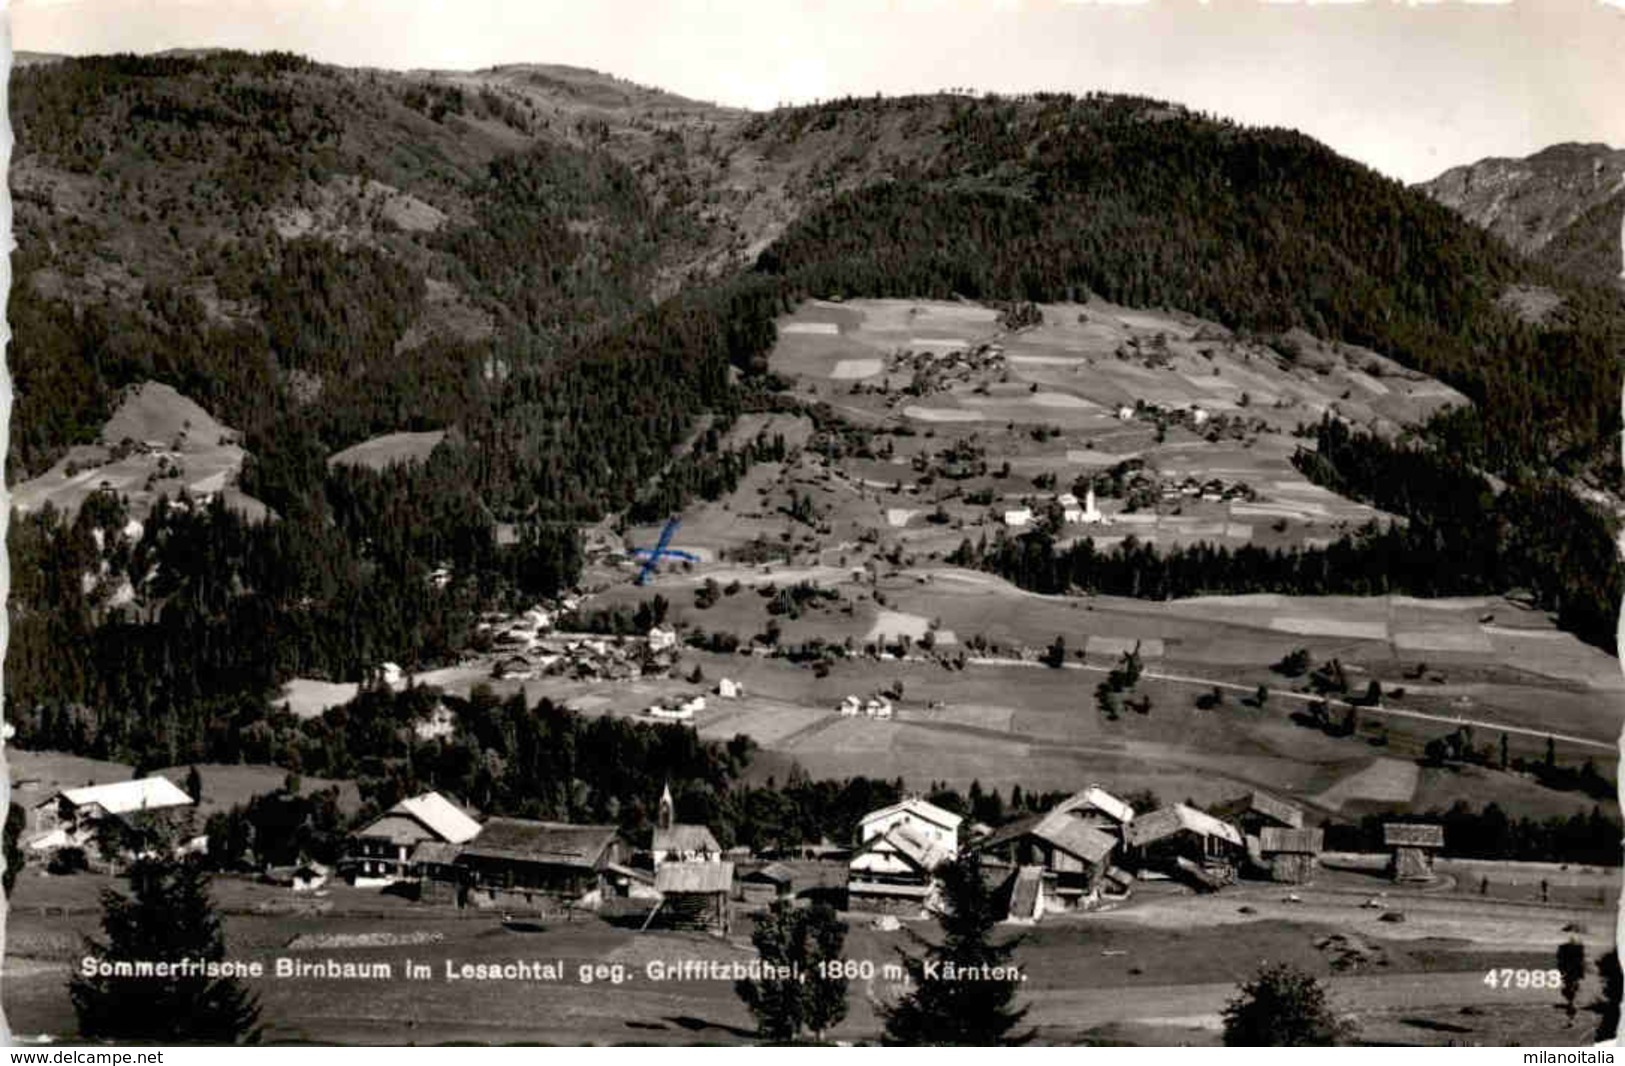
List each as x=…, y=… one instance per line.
x=963, y=987
x=1282, y=1007
x=194, y=785
x=812, y=999
x=1607, y=1005
x=167, y=916
x=14, y=857
x=1571, y=967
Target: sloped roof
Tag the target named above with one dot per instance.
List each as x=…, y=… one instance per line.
x=913, y=847
x=437, y=851
x=557, y=843
x=695, y=877
x=921, y=809
x=1060, y=828
x=1102, y=801
x=777, y=873
x=1288, y=814
x=1413, y=834
x=127, y=797
x=682, y=838
x=1275, y=838
x=1166, y=821
x=447, y=820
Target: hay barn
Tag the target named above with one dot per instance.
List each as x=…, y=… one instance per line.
x=1292, y=855
x=1412, y=845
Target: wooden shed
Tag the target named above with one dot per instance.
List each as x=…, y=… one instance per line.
x=1412, y=845
x=693, y=895
x=768, y=883
x=1292, y=855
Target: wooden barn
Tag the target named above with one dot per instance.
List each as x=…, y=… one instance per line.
x=766, y=884
x=1059, y=854
x=693, y=895
x=1187, y=843
x=1291, y=855
x=1412, y=845
x=439, y=878
x=1256, y=811
x=539, y=866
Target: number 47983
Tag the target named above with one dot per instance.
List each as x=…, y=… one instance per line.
x=1509, y=978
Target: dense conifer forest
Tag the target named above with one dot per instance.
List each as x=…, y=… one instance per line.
x=550, y=319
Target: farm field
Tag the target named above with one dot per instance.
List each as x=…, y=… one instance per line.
x=157, y=442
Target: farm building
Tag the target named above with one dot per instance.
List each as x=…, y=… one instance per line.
x=382, y=849
x=894, y=871
x=767, y=884
x=693, y=895
x=1292, y=855
x=440, y=879
x=662, y=638
x=1185, y=841
x=1256, y=810
x=1412, y=845
x=1018, y=518
x=729, y=689
x=1096, y=807
x=930, y=822
x=673, y=841
x=537, y=865
x=1059, y=854
x=78, y=817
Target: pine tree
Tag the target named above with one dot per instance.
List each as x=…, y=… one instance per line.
x=167, y=916
x=1571, y=967
x=814, y=998
x=963, y=987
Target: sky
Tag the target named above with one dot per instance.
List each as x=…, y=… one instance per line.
x=1409, y=87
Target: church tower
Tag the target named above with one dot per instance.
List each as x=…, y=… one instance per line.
x=665, y=817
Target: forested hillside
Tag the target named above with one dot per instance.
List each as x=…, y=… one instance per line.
x=556, y=268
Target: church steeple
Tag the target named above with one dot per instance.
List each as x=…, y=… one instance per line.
x=666, y=807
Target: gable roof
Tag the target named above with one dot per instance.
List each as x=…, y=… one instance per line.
x=1060, y=828
x=1098, y=798
x=448, y=821
x=683, y=838
x=1275, y=838
x=906, y=842
x=1166, y=821
x=1288, y=814
x=555, y=843
x=1413, y=834
x=128, y=797
x=919, y=808
x=695, y=877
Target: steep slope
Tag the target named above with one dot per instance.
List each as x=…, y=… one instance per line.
x=1562, y=206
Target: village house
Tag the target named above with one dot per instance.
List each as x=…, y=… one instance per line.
x=1183, y=841
x=381, y=850
x=546, y=867
x=1256, y=810
x=1018, y=518
x=82, y=817
x=662, y=638
x=1057, y=862
x=1412, y=845
x=730, y=690
x=894, y=872
x=931, y=822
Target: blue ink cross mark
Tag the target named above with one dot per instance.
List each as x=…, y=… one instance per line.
x=651, y=556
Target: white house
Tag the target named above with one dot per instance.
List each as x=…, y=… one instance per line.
x=1018, y=518
x=929, y=822
x=730, y=690
x=851, y=706
x=69, y=818
x=662, y=638
x=692, y=705
x=1125, y=413
x=671, y=714
x=1198, y=415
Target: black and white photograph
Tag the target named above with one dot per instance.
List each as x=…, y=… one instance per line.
x=813, y=522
